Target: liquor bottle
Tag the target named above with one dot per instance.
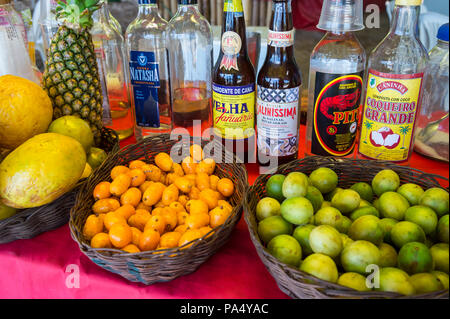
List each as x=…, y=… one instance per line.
x=149, y=71
x=278, y=97
x=112, y=20
x=234, y=83
x=394, y=88
x=47, y=21
x=112, y=65
x=191, y=52
x=336, y=81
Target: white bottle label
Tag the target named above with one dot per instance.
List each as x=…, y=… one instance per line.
x=281, y=39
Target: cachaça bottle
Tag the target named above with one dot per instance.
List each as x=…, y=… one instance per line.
x=394, y=88
x=336, y=81
x=234, y=82
x=278, y=101
x=191, y=53
x=149, y=71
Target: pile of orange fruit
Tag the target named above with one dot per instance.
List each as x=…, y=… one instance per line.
x=157, y=206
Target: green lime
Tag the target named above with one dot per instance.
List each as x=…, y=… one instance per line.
x=272, y=227
x=388, y=256
x=274, y=187
x=363, y=203
x=346, y=201
x=328, y=216
x=393, y=205
x=324, y=179
x=442, y=229
x=6, y=212
x=358, y=255
x=437, y=199
x=415, y=258
x=442, y=277
x=412, y=192
x=387, y=224
x=367, y=228
x=315, y=197
x=395, y=280
x=376, y=204
x=329, y=196
x=325, y=204
x=301, y=233
x=344, y=225
x=426, y=283
x=385, y=181
x=364, y=211
x=353, y=280
x=423, y=216
x=96, y=157
x=74, y=127
x=440, y=256
x=320, y=266
x=267, y=207
x=295, y=185
x=286, y=249
x=297, y=210
x=407, y=232
x=346, y=240
x=364, y=190
x=326, y=240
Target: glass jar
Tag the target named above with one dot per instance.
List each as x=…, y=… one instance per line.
x=432, y=132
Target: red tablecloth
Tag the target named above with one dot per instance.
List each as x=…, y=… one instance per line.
x=45, y=267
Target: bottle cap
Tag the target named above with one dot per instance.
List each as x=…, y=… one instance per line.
x=187, y=2
x=341, y=15
x=443, y=33
x=408, y=2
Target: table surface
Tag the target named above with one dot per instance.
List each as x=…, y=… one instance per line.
x=45, y=266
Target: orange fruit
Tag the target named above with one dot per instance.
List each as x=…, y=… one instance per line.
x=101, y=191
x=196, y=152
x=163, y=179
x=103, y=206
x=136, y=236
x=120, y=235
x=189, y=236
x=224, y=204
x=194, y=193
x=159, y=204
x=152, y=172
x=126, y=211
x=171, y=218
x=208, y=165
x=181, y=217
x=218, y=216
x=209, y=197
x=144, y=207
x=213, y=180
x=149, y=240
x=114, y=203
x=197, y=221
x=177, y=207
x=158, y=211
x=196, y=206
x=170, y=240
x=205, y=230
x=101, y=240
x=226, y=187
x=131, y=249
x=120, y=184
x=171, y=178
x=164, y=162
x=132, y=197
x=202, y=181
x=140, y=219
x=136, y=164
x=153, y=194
x=183, y=199
x=158, y=223
x=118, y=170
x=181, y=229
x=177, y=169
x=184, y=184
x=170, y=195
x=191, y=177
x=189, y=165
x=143, y=187
x=92, y=227
x=113, y=218
x=138, y=177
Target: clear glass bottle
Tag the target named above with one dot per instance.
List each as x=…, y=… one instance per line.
x=191, y=60
x=146, y=46
x=394, y=88
x=432, y=132
x=112, y=20
x=47, y=21
x=113, y=72
x=336, y=81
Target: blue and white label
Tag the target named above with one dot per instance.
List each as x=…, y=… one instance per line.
x=144, y=72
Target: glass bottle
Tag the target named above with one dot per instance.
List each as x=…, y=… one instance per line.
x=336, y=81
x=191, y=53
x=113, y=72
x=234, y=85
x=394, y=88
x=112, y=20
x=149, y=71
x=278, y=98
x=432, y=132
x=47, y=21
x=27, y=20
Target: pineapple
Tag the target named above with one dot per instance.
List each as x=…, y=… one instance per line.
x=71, y=76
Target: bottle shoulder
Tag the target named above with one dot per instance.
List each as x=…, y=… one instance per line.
x=280, y=76
x=152, y=25
x=189, y=22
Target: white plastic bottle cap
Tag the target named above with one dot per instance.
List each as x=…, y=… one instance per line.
x=341, y=16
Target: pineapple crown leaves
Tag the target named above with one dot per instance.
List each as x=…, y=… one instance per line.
x=77, y=14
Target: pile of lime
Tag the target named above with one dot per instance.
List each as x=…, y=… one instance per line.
x=382, y=236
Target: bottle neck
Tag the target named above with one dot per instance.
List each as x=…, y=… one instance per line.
x=281, y=33
x=147, y=7
x=233, y=20
x=405, y=20
x=187, y=8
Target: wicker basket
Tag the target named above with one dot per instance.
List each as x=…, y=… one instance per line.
x=298, y=284
x=165, y=265
x=31, y=222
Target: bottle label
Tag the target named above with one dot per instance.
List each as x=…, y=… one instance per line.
x=281, y=39
x=389, y=115
x=233, y=6
x=277, y=121
x=144, y=73
x=234, y=111
x=336, y=113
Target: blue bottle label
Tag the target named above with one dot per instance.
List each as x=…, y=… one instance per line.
x=144, y=72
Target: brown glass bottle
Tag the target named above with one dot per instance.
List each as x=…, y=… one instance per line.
x=234, y=85
x=279, y=92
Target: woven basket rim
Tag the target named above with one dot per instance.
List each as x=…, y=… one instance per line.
x=313, y=282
